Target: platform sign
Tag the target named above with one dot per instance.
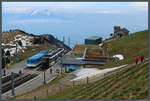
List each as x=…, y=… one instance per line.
x=9, y=66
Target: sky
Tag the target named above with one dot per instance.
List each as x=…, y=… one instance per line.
x=74, y=20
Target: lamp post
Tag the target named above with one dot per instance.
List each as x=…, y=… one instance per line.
x=16, y=53
x=5, y=60
x=12, y=84
x=60, y=66
x=44, y=78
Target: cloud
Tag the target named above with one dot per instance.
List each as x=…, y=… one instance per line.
x=15, y=10
x=109, y=12
x=34, y=12
x=74, y=8
x=40, y=11
x=56, y=21
x=59, y=7
x=139, y=6
x=65, y=10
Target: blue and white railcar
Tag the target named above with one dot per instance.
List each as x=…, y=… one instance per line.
x=36, y=59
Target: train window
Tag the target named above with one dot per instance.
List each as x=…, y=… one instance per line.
x=36, y=60
x=29, y=61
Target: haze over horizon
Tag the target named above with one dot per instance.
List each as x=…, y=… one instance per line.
x=74, y=20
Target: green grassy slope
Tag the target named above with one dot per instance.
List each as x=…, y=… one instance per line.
x=129, y=45
x=129, y=83
x=135, y=44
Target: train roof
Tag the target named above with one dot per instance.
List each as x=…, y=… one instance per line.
x=39, y=55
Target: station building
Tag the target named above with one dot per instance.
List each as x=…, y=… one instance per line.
x=94, y=40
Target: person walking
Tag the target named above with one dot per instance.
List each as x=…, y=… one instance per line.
x=4, y=72
x=142, y=59
x=20, y=73
x=137, y=60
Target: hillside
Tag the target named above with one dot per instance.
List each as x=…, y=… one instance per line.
x=128, y=83
x=9, y=40
x=27, y=44
x=10, y=35
x=136, y=44
x=55, y=41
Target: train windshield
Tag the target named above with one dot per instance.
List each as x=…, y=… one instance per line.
x=32, y=61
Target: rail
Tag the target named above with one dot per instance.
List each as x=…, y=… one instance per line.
x=18, y=81
x=8, y=78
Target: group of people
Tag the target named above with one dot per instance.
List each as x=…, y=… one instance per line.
x=141, y=58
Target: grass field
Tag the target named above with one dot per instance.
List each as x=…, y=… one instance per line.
x=130, y=46
x=129, y=83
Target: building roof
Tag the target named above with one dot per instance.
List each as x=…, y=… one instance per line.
x=94, y=52
x=116, y=26
x=100, y=58
x=93, y=38
x=124, y=29
x=120, y=32
x=79, y=49
x=81, y=62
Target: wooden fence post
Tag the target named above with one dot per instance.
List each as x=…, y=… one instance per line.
x=59, y=88
x=44, y=78
x=47, y=92
x=34, y=97
x=73, y=83
x=87, y=80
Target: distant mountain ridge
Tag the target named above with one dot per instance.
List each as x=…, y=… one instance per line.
x=55, y=41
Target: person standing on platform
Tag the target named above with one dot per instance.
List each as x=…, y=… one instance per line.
x=137, y=60
x=4, y=72
x=142, y=59
x=20, y=73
